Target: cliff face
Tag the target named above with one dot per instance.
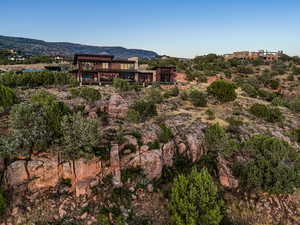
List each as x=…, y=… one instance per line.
x=45, y=170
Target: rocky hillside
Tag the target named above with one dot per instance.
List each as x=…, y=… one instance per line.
x=43, y=48
x=125, y=154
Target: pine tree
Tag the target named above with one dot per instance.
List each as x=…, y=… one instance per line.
x=195, y=199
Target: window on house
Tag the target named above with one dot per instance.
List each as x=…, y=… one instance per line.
x=126, y=66
x=105, y=65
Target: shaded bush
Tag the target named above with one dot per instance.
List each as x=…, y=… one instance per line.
x=198, y=98
x=274, y=84
x=217, y=141
x=245, y=69
x=3, y=202
x=270, y=114
x=133, y=116
x=294, y=105
x=278, y=101
x=195, y=199
x=121, y=84
x=224, y=91
x=7, y=97
x=295, y=134
x=80, y=136
x=274, y=166
x=145, y=109
x=296, y=70
x=154, y=145
x=250, y=90
x=210, y=114
x=173, y=92
x=266, y=95
x=87, y=93
x=165, y=134
x=154, y=95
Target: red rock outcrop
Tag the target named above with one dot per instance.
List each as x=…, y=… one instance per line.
x=117, y=107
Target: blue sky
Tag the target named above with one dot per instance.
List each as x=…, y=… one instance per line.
x=173, y=27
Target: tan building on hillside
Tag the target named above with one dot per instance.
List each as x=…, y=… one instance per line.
x=265, y=55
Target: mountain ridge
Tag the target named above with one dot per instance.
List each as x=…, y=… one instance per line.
x=68, y=49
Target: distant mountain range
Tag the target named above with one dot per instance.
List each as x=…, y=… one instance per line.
x=43, y=48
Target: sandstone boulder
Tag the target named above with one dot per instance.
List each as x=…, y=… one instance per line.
x=43, y=173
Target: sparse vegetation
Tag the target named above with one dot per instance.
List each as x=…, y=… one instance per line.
x=87, y=93
x=145, y=109
x=198, y=98
x=270, y=114
x=37, y=79
x=121, y=84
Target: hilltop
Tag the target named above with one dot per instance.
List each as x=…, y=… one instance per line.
x=128, y=154
x=44, y=48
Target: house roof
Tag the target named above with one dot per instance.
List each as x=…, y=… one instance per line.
x=110, y=58
x=92, y=55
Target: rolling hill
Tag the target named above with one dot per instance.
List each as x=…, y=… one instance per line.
x=43, y=48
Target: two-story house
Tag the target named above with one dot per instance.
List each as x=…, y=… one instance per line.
x=103, y=68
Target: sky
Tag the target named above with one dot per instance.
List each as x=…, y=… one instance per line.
x=182, y=28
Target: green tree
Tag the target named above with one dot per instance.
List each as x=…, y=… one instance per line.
x=274, y=166
x=7, y=97
x=270, y=114
x=224, y=91
x=121, y=84
x=80, y=136
x=218, y=142
x=195, y=199
x=54, y=110
x=145, y=109
x=29, y=128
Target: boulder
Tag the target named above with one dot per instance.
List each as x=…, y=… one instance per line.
x=16, y=173
x=168, y=152
x=225, y=174
x=117, y=107
x=115, y=165
x=150, y=133
x=196, y=149
x=43, y=173
x=152, y=163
